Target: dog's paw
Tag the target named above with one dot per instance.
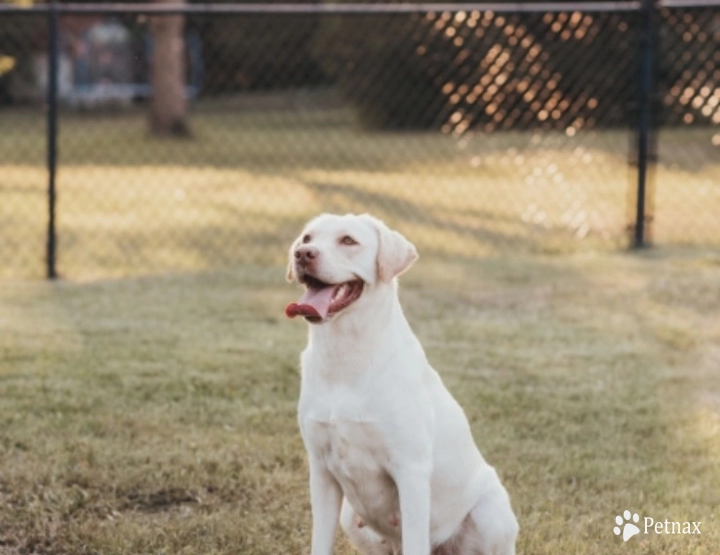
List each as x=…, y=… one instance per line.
x=629, y=529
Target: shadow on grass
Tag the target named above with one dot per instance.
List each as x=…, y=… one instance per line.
x=482, y=232
x=270, y=141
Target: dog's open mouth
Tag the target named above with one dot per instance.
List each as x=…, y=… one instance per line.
x=321, y=299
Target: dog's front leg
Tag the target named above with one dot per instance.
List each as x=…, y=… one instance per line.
x=413, y=483
x=325, y=499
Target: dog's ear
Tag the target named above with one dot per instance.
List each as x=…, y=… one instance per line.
x=395, y=253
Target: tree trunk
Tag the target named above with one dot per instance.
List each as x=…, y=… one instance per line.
x=168, y=115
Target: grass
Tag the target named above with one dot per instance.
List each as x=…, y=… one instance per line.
x=129, y=204
x=147, y=404
x=156, y=415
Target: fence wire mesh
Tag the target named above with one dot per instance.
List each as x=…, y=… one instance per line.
x=474, y=132
x=687, y=196
x=23, y=178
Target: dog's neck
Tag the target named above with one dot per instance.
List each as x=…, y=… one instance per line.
x=344, y=343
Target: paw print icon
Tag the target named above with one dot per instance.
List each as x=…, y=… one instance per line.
x=627, y=521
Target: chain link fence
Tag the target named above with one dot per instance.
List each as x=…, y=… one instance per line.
x=687, y=180
x=474, y=131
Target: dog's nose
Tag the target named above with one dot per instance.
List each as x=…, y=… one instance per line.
x=306, y=253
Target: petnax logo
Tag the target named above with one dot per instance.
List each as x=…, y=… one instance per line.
x=629, y=525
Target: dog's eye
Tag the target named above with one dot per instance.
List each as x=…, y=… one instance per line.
x=306, y=239
x=347, y=240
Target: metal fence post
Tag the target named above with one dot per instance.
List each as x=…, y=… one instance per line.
x=52, y=130
x=646, y=140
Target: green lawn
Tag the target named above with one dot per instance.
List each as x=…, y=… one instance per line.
x=129, y=204
x=156, y=415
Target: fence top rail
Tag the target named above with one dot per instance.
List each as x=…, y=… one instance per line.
x=689, y=3
x=346, y=9
x=331, y=8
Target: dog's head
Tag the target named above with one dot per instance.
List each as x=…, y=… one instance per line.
x=341, y=259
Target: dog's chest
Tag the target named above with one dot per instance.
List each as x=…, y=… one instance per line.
x=355, y=451
x=350, y=448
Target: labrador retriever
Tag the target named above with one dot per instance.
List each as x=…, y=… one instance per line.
x=390, y=451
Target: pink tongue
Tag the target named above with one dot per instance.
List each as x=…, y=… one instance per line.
x=314, y=303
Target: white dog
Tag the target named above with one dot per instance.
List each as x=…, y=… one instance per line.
x=390, y=451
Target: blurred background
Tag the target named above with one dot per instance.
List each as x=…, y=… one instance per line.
x=205, y=139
